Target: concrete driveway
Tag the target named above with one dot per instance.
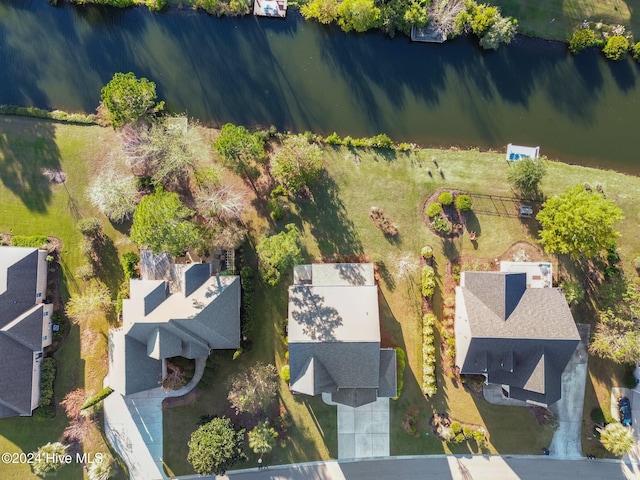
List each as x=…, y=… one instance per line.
x=566, y=440
x=363, y=432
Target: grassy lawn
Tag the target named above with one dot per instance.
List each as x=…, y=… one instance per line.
x=556, y=19
x=30, y=205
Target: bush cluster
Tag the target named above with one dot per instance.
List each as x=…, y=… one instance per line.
x=426, y=252
x=32, y=241
x=47, y=377
x=463, y=203
x=429, y=386
x=428, y=281
x=441, y=225
x=98, y=397
x=433, y=209
x=445, y=198
x=285, y=373
x=401, y=363
x=383, y=222
x=378, y=141
x=460, y=433
x=582, y=39
x=246, y=310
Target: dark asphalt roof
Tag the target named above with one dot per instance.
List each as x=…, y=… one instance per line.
x=19, y=266
x=355, y=397
x=387, y=385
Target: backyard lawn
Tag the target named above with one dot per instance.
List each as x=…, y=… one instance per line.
x=335, y=221
x=556, y=19
x=31, y=205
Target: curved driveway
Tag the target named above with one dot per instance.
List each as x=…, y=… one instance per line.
x=441, y=467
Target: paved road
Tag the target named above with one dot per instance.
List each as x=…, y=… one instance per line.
x=440, y=467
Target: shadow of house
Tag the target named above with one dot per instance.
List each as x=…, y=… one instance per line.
x=334, y=335
x=25, y=328
x=518, y=337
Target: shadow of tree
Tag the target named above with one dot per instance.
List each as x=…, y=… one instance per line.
x=328, y=219
x=24, y=153
x=317, y=319
x=352, y=273
x=110, y=271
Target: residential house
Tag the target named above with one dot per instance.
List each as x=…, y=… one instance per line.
x=334, y=335
x=197, y=314
x=25, y=327
x=517, y=336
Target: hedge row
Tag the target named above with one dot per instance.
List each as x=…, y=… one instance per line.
x=47, y=377
x=246, y=312
x=54, y=115
x=401, y=363
x=428, y=281
x=101, y=395
x=33, y=241
x=429, y=386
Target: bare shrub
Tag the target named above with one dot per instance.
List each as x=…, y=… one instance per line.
x=443, y=13
x=221, y=202
x=73, y=401
x=114, y=193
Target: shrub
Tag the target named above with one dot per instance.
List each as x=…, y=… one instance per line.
x=246, y=308
x=573, y=292
x=428, y=281
x=581, y=39
x=401, y=363
x=440, y=225
x=463, y=203
x=459, y=438
x=427, y=252
x=636, y=51
x=433, y=209
x=86, y=272
x=48, y=458
x=285, y=373
x=381, y=141
x=468, y=432
x=616, y=47
x=97, y=398
x=456, y=427
x=32, y=241
x=276, y=209
x=445, y=198
x=478, y=436
x=333, y=139
x=130, y=262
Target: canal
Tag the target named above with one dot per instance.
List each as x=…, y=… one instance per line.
x=301, y=76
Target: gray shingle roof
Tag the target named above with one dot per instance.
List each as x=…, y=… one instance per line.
x=388, y=373
x=529, y=349
x=16, y=380
x=334, y=334
x=18, y=278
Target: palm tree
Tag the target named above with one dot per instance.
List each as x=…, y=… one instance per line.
x=262, y=438
x=617, y=438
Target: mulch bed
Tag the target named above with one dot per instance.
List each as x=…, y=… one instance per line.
x=449, y=212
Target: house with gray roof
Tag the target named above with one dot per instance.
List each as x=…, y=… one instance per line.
x=188, y=316
x=334, y=335
x=25, y=328
x=519, y=337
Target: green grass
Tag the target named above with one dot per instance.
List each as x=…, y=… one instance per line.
x=29, y=205
x=556, y=19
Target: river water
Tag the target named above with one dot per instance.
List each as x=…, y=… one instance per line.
x=301, y=76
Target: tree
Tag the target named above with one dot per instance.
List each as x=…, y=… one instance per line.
x=239, y=147
x=582, y=39
x=578, y=222
x=616, y=338
x=416, y=13
x=443, y=15
x=297, y=164
x=221, y=203
x=278, y=253
x=262, y=438
x=161, y=223
x=617, y=438
x=358, y=15
x=102, y=470
x=215, y=447
x=127, y=98
x=616, y=47
x=501, y=31
x=526, y=175
x=114, y=193
x=92, y=301
x=325, y=11
x=482, y=17
x=255, y=389
x=48, y=458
